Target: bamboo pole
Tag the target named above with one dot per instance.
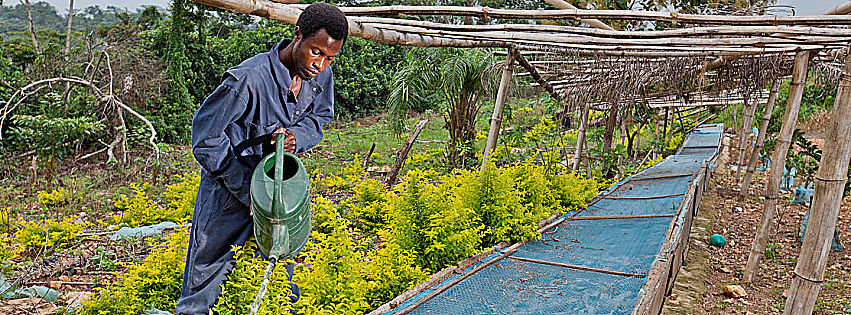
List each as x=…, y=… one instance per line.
x=827, y=197
x=799, y=77
x=760, y=138
x=747, y=122
x=844, y=8
x=499, y=104
x=757, y=41
x=580, y=139
x=290, y=13
x=561, y=4
x=486, y=12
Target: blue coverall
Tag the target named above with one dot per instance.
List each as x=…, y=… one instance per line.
x=231, y=132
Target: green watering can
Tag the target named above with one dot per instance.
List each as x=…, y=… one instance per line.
x=280, y=190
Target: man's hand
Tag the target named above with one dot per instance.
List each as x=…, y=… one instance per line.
x=289, y=139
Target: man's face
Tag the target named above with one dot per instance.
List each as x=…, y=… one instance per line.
x=315, y=53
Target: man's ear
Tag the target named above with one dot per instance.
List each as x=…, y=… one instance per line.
x=297, y=36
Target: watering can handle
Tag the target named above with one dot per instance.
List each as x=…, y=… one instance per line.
x=278, y=194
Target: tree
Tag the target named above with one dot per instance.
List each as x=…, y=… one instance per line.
x=458, y=79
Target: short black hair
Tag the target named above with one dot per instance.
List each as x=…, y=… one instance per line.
x=321, y=15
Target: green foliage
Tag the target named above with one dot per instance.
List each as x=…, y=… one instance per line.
x=373, y=243
x=433, y=221
x=370, y=210
x=153, y=283
x=456, y=78
x=140, y=210
x=47, y=234
x=54, y=198
x=53, y=138
x=362, y=76
x=807, y=157
x=181, y=196
x=244, y=282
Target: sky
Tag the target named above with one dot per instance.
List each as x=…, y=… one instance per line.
x=803, y=7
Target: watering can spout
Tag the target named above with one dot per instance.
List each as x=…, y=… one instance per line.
x=280, y=198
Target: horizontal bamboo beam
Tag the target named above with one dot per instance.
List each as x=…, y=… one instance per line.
x=674, y=17
x=289, y=14
x=592, y=40
x=736, y=30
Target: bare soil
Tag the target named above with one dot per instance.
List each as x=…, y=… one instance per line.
x=725, y=265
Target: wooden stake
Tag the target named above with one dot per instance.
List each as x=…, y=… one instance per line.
x=26, y=4
x=368, y=154
x=796, y=89
x=400, y=159
x=827, y=197
x=580, y=139
x=760, y=138
x=499, y=105
x=747, y=122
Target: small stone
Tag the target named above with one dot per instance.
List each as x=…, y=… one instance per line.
x=738, y=210
x=730, y=301
x=725, y=270
x=56, y=285
x=734, y=290
x=73, y=299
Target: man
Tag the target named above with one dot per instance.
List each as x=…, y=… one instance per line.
x=288, y=90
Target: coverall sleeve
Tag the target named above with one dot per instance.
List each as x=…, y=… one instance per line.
x=308, y=129
x=214, y=148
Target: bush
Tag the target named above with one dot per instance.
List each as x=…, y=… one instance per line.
x=139, y=210
x=153, y=283
x=244, y=282
x=56, y=197
x=180, y=196
x=49, y=233
x=52, y=138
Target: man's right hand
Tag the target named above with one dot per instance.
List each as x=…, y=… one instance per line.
x=289, y=139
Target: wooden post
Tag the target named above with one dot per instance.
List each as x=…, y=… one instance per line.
x=499, y=105
x=580, y=139
x=68, y=29
x=665, y=127
x=829, y=187
x=796, y=89
x=655, y=134
x=760, y=138
x=748, y=110
x=403, y=155
x=26, y=4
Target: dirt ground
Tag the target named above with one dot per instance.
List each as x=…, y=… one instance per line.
x=716, y=267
